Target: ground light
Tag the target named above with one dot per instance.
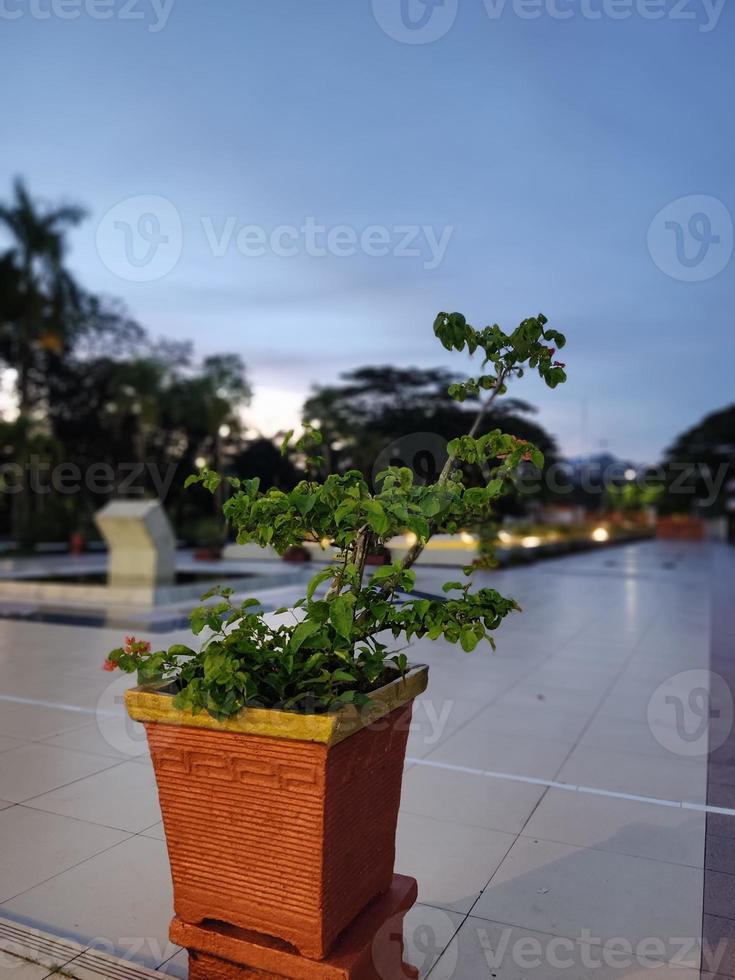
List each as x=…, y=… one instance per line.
x=531, y=541
x=600, y=534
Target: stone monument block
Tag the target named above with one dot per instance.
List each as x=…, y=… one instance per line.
x=141, y=543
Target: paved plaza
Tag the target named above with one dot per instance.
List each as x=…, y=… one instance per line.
x=554, y=804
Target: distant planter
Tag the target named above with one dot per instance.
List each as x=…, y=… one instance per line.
x=77, y=543
x=680, y=528
x=279, y=821
x=208, y=554
x=381, y=556
x=296, y=554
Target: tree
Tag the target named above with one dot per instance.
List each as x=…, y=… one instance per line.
x=377, y=406
x=43, y=305
x=700, y=462
x=40, y=307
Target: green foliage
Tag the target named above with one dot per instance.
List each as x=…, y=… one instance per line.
x=331, y=652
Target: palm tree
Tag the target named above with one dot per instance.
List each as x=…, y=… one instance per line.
x=39, y=307
x=48, y=293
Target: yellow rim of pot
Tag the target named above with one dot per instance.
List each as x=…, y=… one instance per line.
x=148, y=705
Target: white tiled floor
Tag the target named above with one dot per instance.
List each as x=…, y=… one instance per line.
x=498, y=860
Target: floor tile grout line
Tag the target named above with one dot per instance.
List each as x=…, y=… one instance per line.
x=601, y=699
x=71, y=782
x=571, y=787
x=524, y=676
x=603, y=944
x=604, y=695
x=56, y=706
x=71, y=867
x=87, y=823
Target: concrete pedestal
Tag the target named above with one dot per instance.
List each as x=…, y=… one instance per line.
x=141, y=542
x=371, y=948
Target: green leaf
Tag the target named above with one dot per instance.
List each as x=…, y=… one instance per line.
x=286, y=440
x=317, y=580
x=377, y=518
x=341, y=614
x=302, y=633
x=467, y=639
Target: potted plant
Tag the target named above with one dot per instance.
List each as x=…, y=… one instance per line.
x=208, y=536
x=278, y=746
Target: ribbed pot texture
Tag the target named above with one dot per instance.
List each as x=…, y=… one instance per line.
x=286, y=837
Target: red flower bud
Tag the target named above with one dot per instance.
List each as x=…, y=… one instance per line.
x=109, y=665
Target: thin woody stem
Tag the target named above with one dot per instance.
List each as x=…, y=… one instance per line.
x=413, y=553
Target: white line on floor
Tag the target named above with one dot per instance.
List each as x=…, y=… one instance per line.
x=571, y=788
x=34, y=702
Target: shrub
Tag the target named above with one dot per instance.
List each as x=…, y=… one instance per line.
x=337, y=650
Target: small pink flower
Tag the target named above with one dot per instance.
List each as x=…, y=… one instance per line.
x=109, y=665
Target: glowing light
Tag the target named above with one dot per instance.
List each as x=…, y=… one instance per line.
x=600, y=534
x=224, y=431
x=411, y=539
x=531, y=541
x=200, y=462
x=505, y=537
x=630, y=474
x=467, y=538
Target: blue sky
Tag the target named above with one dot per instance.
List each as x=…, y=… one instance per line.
x=541, y=149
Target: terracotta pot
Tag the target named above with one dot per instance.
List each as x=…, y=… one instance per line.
x=279, y=822
x=296, y=554
x=381, y=557
x=680, y=528
x=77, y=543
x=208, y=554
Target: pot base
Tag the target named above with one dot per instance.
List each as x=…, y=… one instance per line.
x=371, y=948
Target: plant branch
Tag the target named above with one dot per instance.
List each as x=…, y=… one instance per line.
x=413, y=553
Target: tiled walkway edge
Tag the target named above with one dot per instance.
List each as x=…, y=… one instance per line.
x=719, y=882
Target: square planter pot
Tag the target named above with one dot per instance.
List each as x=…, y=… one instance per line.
x=279, y=822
